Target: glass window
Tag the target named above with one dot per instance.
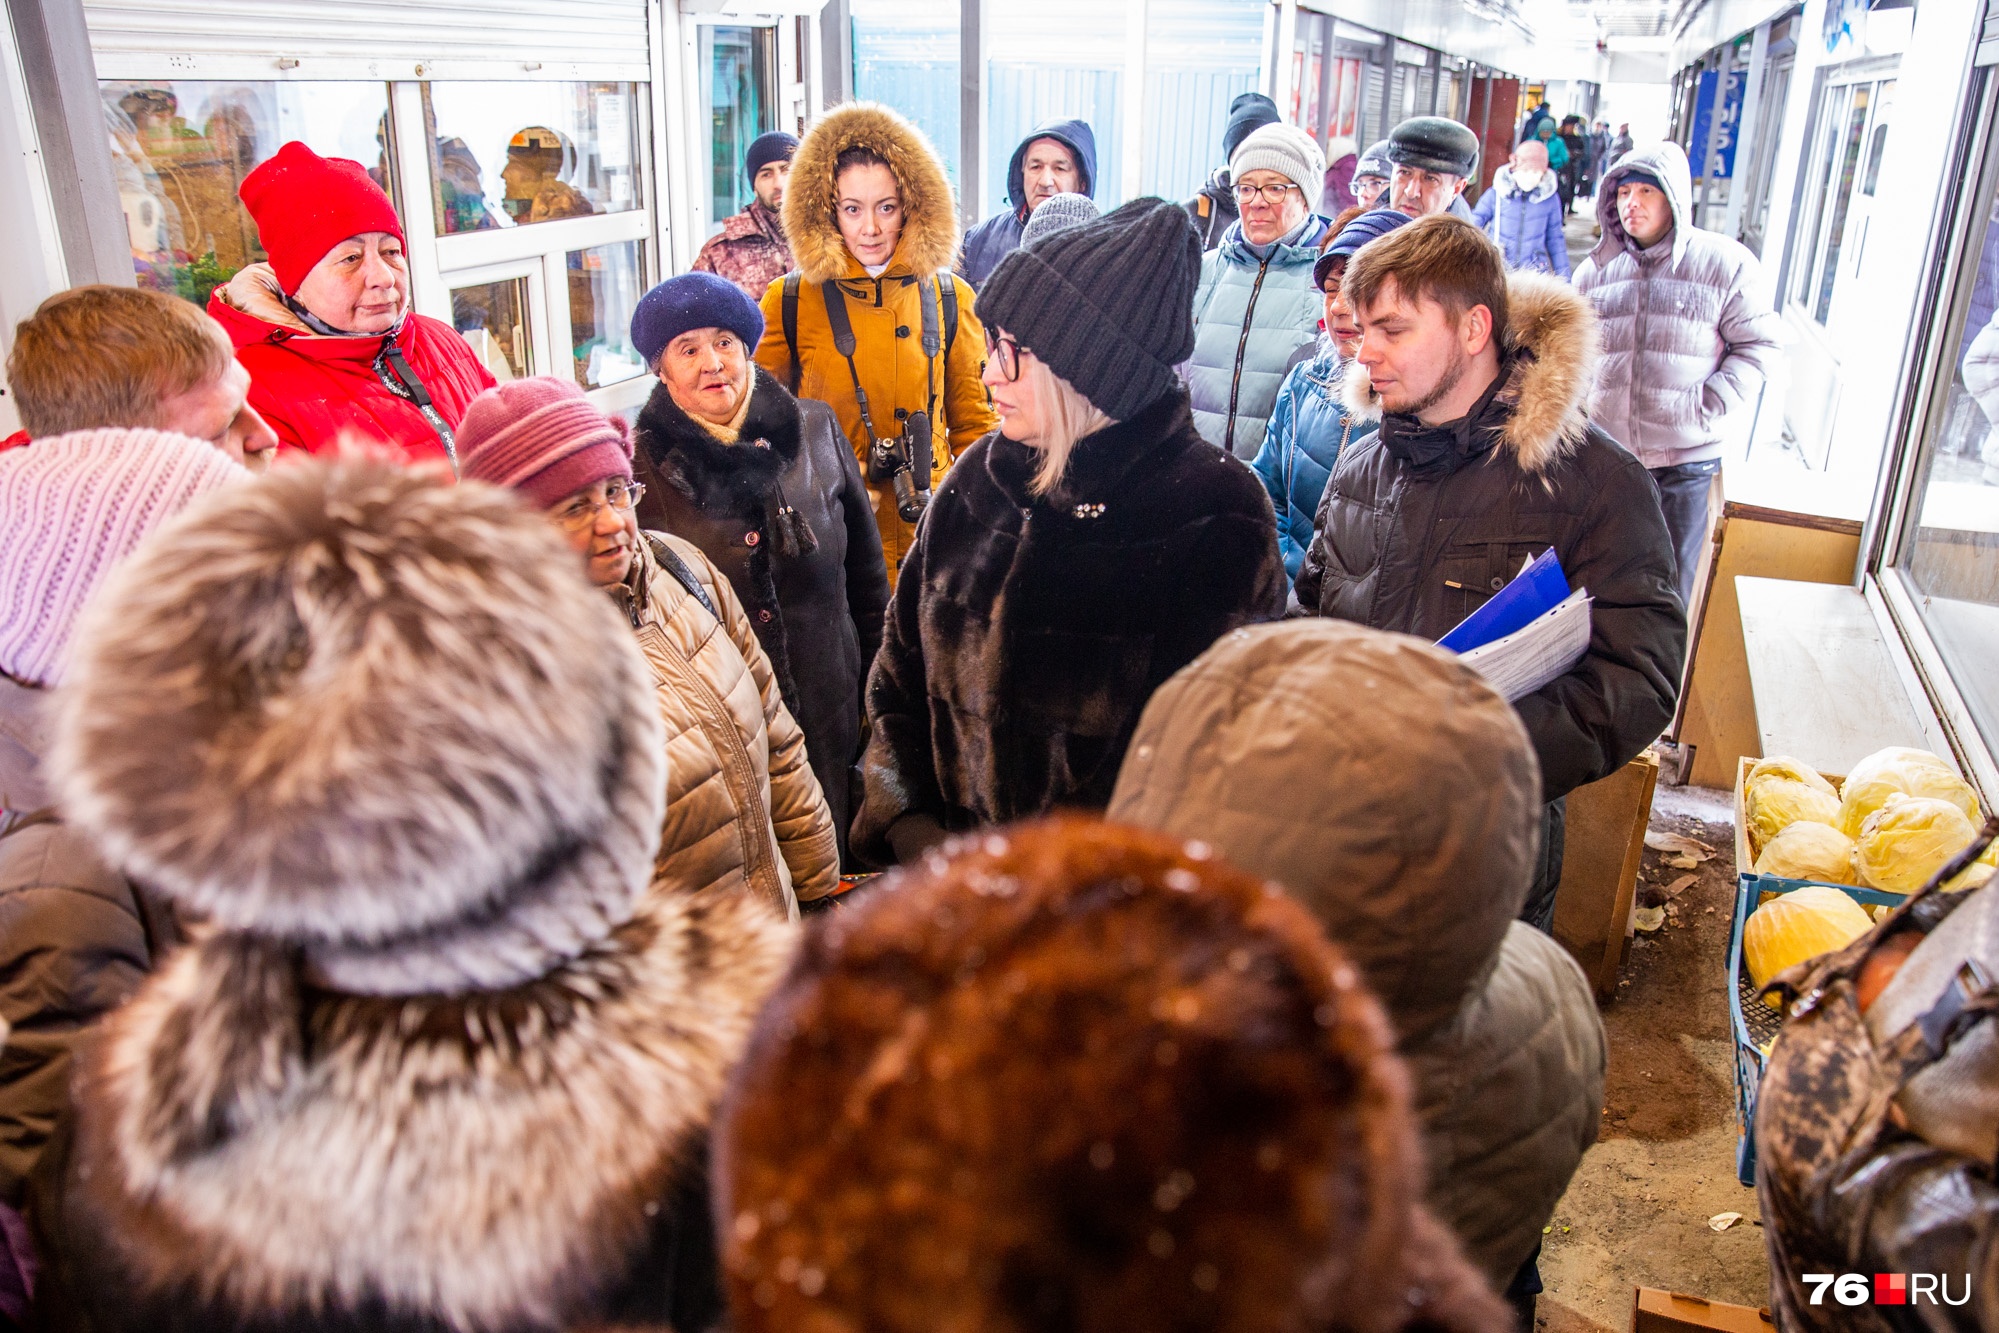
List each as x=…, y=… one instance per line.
x=493, y=318
x=1949, y=553
x=181, y=147
x=738, y=83
x=513, y=154
x=1200, y=55
x=605, y=284
x=906, y=54
x=1850, y=112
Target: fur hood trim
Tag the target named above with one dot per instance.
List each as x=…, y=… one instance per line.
x=356, y=709
x=488, y=1161
x=929, y=240
x=1554, y=341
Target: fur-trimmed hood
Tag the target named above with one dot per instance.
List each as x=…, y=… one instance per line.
x=250, y=1146
x=929, y=241
x=1553, y=343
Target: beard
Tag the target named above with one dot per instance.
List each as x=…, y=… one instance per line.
x=1454, y=374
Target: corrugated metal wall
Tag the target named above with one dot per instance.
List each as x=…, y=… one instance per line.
x=557, y=37
x=912, y=65
x=1200, y=55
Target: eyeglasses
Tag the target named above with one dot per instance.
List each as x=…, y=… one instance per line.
x=1272, y=194
x=581, y=512
x=1367, y=185
x=1006, y=352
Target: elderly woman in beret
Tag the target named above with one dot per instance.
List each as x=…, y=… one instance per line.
x=766, y=485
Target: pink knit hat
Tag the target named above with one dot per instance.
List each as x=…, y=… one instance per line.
x=71, y=507
x=543, y=438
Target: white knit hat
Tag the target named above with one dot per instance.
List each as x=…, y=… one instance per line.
x=71, y=507
x=1286, y=150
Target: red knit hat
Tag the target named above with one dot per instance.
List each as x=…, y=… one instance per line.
x=306, y=204
x=543, y=438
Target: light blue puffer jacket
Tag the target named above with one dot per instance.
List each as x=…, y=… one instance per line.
x=1308, y=428
x=1253, y=320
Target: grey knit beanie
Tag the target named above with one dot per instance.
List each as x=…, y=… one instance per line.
x=1108, y=305
x=1286, y=150
x=1058, y=212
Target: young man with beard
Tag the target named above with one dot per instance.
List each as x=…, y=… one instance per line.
x=1485, y=458
x=751, y=250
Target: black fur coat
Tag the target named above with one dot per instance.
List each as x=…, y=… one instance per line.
x=814, y=593
x=1028, y=631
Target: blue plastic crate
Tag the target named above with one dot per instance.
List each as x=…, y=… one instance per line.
x=1754, y=1023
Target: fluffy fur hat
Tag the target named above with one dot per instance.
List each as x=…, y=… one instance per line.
x=1076, y=1076
x=929, y=241
x=384, y=719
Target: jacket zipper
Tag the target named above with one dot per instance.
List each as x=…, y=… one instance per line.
x=1242, y=347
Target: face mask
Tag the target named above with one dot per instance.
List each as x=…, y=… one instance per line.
x=1527, y=180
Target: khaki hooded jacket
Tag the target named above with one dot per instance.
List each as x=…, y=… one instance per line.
x=1396, y=794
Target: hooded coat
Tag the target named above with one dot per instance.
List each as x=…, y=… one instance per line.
x=1254, y=319
x=1416, y=551
x=1394, y=793
x=1309, y=427
x=886, y=312
x=314, y=389
x=440, y=1058
x=817, y=612
x=1030, y=630
x=999, y=235
x=1527, y=224
x=1688, y=337
x=744, y=812
x=76, y=939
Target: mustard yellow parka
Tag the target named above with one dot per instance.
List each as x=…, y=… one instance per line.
x=884, y=311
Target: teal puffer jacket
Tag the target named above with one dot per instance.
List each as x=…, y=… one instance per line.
x=1253, y=320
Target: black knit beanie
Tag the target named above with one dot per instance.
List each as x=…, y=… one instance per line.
x=1248, y=113
x=1109, y=305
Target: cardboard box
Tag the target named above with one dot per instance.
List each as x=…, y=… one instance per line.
x=1655, y=1311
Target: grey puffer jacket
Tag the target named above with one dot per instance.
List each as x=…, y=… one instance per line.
x=1687, y=335
x=1254, y=319
x=1396, y=795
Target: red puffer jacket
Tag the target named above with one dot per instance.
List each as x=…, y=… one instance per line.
x=313, y=389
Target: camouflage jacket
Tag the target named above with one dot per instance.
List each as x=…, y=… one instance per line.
x=749, y=251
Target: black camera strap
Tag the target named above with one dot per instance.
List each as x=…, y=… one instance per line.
x=845, y=345
x=397, y=376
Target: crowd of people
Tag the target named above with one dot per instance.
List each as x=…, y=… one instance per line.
x=405, y=856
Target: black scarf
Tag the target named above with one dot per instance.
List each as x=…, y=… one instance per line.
x=1437, y=451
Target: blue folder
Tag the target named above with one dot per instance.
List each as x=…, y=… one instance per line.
x=1539, y=589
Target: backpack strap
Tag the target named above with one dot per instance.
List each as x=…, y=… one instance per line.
x=947, y=300
x=788, y=304
x=670, y=561
x=843, y=343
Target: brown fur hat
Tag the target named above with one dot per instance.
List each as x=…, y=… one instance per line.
x=381, y=717
x=1074, y=1076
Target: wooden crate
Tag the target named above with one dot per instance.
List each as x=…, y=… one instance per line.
x=1656, y=1311
x=1604, y=841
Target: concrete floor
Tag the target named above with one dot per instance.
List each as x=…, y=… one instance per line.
x=1637, y=1211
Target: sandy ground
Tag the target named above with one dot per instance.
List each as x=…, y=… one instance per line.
x=1637, y=1211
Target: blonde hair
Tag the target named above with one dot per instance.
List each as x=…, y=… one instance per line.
x=109, y=356
x=1066, y=417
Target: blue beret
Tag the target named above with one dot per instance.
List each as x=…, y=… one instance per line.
x=693, y=301
x=1375, y=223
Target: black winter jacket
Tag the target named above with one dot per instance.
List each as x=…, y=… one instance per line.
x=1416, y=551
x=1028, y=631
x=818, y=612
x=1213, y=208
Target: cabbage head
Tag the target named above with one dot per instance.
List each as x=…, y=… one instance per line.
x=1772, y=804
x=1899, y=769
x=1806, y=850
x=1783, y=766
x=1908, y=840
x=1795, y=926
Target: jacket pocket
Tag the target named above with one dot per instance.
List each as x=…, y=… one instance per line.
x=1472, y=570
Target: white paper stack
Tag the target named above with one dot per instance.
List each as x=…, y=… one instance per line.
x=1546, y=647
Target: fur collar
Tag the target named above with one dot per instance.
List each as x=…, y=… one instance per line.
x=929, y=240
x=491, y=1160
x=1552, y=331
x=1100, y=463
x=701, y=467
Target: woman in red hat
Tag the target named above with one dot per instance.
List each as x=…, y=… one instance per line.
x=325, y=326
